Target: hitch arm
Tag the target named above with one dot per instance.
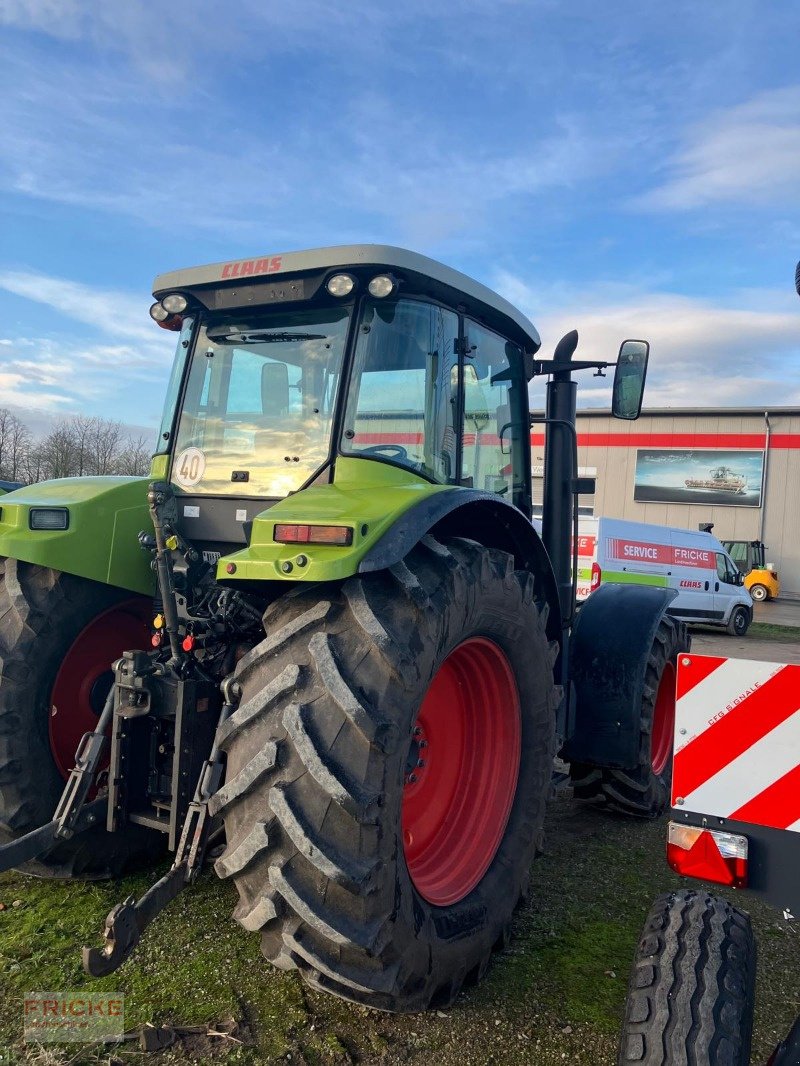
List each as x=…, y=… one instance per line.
x=127, y=921
x=72, y=815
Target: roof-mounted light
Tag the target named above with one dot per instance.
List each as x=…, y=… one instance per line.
x=175, y=303
x=341, y=284
x=165, y=318
x=382, y=285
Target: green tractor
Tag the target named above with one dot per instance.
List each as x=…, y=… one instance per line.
x=325, y=629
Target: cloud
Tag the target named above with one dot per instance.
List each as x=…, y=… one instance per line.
x=743, y=352
x=117, y=369
x=119, y=314
x=749, y=154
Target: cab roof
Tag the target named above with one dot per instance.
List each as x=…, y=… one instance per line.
x=354, y=256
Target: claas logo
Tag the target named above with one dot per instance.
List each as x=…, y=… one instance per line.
x=246, y=267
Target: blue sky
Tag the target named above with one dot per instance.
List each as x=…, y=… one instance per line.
x=630, y=169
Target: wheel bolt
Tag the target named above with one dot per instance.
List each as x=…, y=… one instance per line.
x=417, y=731
x=423, y=744
x=411, y=779
x=420, y=763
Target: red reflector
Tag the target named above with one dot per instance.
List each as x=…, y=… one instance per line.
x=708, y=854
x=291, y=534
x=188, y=643
x=173, y=323
x=155, y=640
x=597, y=574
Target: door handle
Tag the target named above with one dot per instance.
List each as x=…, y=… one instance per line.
x=716, y=586
x=706, y=586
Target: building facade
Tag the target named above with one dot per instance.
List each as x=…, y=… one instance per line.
x=736, y=467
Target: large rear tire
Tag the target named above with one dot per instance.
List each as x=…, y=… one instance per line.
x=690, y=998
x=387, y=771
x=644, y=790
x=59, y=635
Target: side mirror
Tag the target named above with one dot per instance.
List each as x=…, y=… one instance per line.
x=275, y=389
x=629, y=378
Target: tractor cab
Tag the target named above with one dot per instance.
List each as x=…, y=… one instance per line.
x=358, y=353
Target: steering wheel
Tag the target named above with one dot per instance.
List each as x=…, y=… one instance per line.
x=392, y=451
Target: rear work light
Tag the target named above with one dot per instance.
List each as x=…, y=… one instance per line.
x=48, y=518
x=708, y=854
x=292, y=534
x=597, y=574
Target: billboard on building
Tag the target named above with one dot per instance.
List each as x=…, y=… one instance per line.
x=664, y=475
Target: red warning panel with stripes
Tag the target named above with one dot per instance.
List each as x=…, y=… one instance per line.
x=737, y=740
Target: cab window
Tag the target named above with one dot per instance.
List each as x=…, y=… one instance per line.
x=725, y=571
x=494, y=432
x=402, y=400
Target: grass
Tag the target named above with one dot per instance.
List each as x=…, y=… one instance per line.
x=768, y=631
x=554, y=996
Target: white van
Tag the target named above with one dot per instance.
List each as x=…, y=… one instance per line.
x=708, y=583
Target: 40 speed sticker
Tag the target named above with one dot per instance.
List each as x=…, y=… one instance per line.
x=189, y=467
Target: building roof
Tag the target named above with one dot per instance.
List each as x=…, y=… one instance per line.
x=695, y=412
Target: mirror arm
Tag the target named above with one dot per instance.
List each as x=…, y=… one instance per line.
x=549, y=366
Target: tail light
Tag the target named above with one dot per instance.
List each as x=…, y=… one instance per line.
x=708, y=854
x=597, y=575
x=297, y=534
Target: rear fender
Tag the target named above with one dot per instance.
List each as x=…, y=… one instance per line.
x=480, y=516
x=609, y=648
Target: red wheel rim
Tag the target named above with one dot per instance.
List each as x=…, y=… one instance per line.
x=461, y=773
x=84, y=677
x=663, y=721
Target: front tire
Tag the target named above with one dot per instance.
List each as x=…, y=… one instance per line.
x=690, y=998
x=59, y=635
x=379, y=888
x=759, y=593
x=739, y=622
x=643, y=791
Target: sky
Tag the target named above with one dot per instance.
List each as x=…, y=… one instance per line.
x=629, y=169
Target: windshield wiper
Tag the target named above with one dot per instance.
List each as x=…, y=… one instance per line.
x=264, y=338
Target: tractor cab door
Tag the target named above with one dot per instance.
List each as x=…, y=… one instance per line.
x=496, y=449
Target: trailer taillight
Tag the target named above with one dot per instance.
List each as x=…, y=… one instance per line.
x=294, y=534
x=708, y=854
x=597, y=575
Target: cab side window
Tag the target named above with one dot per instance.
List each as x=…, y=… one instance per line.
x=725, y=571
x=492, y=433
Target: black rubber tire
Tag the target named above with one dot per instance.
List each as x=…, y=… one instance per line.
x=759, y=593
x=787, y=1053
x=316, y=755
x=42, y=611
x=690, y=997
x=640, y=791
x=739, y=621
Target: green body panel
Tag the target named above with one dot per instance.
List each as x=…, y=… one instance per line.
x=611, y=577
x=105, y=516
x=366, y=495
